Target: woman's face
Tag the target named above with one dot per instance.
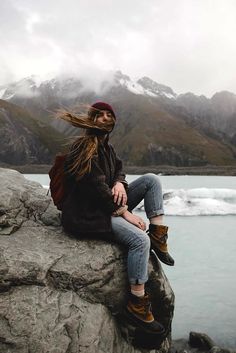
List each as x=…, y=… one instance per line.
x=104, y=116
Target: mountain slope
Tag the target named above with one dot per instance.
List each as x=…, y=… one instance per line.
x=152, y=136
x=154, y=125
x=217, y=114
x=24, y=140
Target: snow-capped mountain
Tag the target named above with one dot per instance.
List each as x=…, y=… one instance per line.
x=70, y=87
x=182, y=130
x=32, y=86
x=217, y=113
x=144, y=86
x=27, y=87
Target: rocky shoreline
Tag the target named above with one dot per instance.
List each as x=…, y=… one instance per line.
x=197, y=343
x=157, y=169
x=171, y=170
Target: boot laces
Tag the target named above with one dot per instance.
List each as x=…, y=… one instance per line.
x=148, y=308
x=162, y=239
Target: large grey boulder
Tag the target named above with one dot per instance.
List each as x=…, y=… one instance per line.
x=63, y=295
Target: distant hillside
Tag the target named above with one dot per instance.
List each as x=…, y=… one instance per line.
x=155, y=126
x=216, y=115
x=24, y=140
x=151, y=136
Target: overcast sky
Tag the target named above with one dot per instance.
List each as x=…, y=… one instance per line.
x=188, y=45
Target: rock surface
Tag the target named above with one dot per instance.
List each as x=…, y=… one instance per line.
x=198, y=343
x=63, y=295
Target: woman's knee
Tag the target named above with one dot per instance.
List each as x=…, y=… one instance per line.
x=152, y=179
x=142, y=241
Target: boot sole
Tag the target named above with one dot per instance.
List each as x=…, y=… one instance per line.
x=158, y=257
x=141, y=324
x=157, y=253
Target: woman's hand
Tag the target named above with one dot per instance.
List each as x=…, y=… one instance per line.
x=119, y=193
x=136, y=220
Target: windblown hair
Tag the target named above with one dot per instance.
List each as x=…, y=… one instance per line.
x=85, y=147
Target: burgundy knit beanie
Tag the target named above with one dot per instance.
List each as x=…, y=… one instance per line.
x=100, y=106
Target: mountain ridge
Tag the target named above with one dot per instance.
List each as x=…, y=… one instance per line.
x=154, y=126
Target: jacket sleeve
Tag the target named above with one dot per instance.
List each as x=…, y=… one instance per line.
x=119, y=173
x=97, y=179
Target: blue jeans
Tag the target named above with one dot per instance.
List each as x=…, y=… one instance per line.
x=147, y=187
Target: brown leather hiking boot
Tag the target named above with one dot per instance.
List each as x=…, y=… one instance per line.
x=158, y=236
x=138, y=310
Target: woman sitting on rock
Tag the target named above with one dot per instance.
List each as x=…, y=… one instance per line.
x=99, y=204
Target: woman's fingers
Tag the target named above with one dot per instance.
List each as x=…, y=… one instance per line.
x=119, y=194
x=136, y=221
x=115, y=196
x=141, y=224
x=138, y=225
x=119, y=198
x=124, y=199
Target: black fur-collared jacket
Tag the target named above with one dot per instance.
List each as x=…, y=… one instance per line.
x=89, y=202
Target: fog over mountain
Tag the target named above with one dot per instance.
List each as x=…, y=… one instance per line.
x=154, y=124
x=189, y=46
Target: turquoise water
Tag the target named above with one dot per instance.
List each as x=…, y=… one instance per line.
x=203, y=277
x=204, y=249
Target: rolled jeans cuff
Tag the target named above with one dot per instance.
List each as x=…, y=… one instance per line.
x=138, y=280
x=155, y=213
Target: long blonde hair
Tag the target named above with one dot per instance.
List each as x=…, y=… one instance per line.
x=85, y=147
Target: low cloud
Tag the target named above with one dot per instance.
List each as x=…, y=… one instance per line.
x=189, y=46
